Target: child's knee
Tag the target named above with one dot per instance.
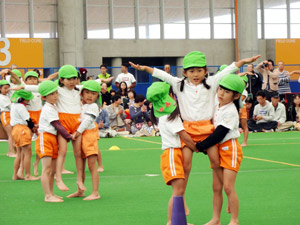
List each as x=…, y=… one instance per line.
x=228, y=189
x=217, y=188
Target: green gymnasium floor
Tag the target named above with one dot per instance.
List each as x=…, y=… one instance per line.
x=133, y=191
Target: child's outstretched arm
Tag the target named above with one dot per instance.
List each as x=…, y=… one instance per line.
x=15, y=77
x=188, y=140
x=246, y=61
x=142, y=68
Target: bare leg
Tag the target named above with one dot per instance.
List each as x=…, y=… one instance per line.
x=100, y=164
x=17, y=165
x=46, y=180
x=214, y=158
x=79, y=192
x=79, y=162
x=11, y=152
x=51, y=178
x=92, y=164
x=21, y=167
x=36, y=165
x=27, y=163
x=187, y=166
x=233, y=201
x=62, y=150
x=217, y=200
x=246, y=131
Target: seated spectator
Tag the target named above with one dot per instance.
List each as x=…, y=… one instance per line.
x=280, y=115
x=106, y=96
x=103, y=124
x=138, y=113
x=294, y=109
x=122, y=90
x=263, y=115
x=112, y=93
x=147, y=129
x=249, y=107
x=116, y=114
x=131, y=97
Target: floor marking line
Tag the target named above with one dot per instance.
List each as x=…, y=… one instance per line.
x=159, y=143
x=272, y=161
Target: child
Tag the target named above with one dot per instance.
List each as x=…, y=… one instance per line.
x=21, y=132
x=5, y=105
x=170, y=125
x=131, y=97
x=89, y=144
x=122, y=90
x=243, y=114
x=196, y=96
x=46, y=144
x=226, y=122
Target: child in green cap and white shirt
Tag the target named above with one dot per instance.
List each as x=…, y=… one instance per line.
x=165, y=109
x=226, y=122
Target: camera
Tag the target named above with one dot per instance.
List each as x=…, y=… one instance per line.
x=266, y=65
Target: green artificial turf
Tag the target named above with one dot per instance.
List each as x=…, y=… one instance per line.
x=268, y=186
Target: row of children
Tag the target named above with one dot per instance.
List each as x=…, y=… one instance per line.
x=207, y=128
x=69, y=113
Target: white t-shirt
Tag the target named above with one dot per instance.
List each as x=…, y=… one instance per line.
x=87, y=122
x=5, y=103
x=126, y=77
x=168, y=131
x=49, y=114
x=36, y=103
x=196, y=103
x=228, y=117
x=18, y=114
x=245, y=93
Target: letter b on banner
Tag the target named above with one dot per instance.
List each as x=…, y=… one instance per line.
x=4, y=50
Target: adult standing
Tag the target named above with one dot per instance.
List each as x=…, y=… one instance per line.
x=270, y=77
x=126, y=77
x=104, y=75
x=254, y=82
x=167, y=69
x=284, y=81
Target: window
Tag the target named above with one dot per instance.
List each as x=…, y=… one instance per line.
x=295, y=18
x=199, y=19
x=149, y=23
x=224, y=19
x=174, y=20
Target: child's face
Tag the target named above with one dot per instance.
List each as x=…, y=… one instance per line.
x=26, y=102
x=69, y=82
x=52, y=98
x=149, y=123
x=89, y=97
x=112, y=93
x=31, y=81
x=123, y=86
x=13, y=80
x=225, y=96
x=4, y=89
x=297, y=100
x=248, y=105
x=130, y=95
x=195, y=75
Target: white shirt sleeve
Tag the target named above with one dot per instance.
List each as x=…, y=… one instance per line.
x=118, y=78
x=132, y=79
x=92, y=109
x=52, y=114
x=175, y=126
x=229, y=120
x=31, y=88
x=24, y=114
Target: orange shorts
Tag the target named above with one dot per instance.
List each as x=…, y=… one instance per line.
x=244, y=112
x=89, y=143
x=35, y=116
x=96, y=131
x=198, y=130
x=171, y=164
x=70, y=121
x=5, y=118
x=21, y=135
x=231, y=155
x=46, y=145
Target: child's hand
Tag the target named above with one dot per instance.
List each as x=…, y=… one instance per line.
x=252, y=59
x=137, y=66
x=75, y=135
x=259, y=117
x=101, y=124
x=16, y=88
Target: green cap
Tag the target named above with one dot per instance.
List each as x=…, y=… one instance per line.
x=233, y=82
x=67, y=71
x=17, y=72
x=158, y=94
x=4, y=82
x=222, y=67
x=245, y=78
x=194, y=59
x=27, y=95
x=91, y=85
x=31, y=74
x=47, y=87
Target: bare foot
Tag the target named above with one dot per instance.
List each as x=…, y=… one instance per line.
x=66, y=172
x=11, y=155
x=17, y=178
x=20, y=173
x=81, y=186
x=35, y=169
x=244, y=144
x=213, y=222
x=92, y=197
x=32, y=178
x=234, y=223
x=187, y=211
x=76, y=194
x=56, y=196
x=100, y=169
x=61, y=186
x=53, y=199
x=228, y=209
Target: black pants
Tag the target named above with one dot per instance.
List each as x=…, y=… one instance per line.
x=253, y=126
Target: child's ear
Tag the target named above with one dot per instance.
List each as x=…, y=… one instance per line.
x=184, y=73
x=43, y=98
x=237, y=96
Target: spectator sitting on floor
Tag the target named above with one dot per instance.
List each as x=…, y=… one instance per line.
x=131, y=97
x=103, y=124
x=280, y=115
x=293, y=111
x=263, y=115
x=138, y=113
x=147, y=129
x=249, y=108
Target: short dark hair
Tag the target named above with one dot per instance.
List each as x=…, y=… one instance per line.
x=103, y=65
x=133, y=91
x=125, y=64
x=261, y=93
x=139, y=98
x=112, y=90
x=270, y=60
x=116, y=98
